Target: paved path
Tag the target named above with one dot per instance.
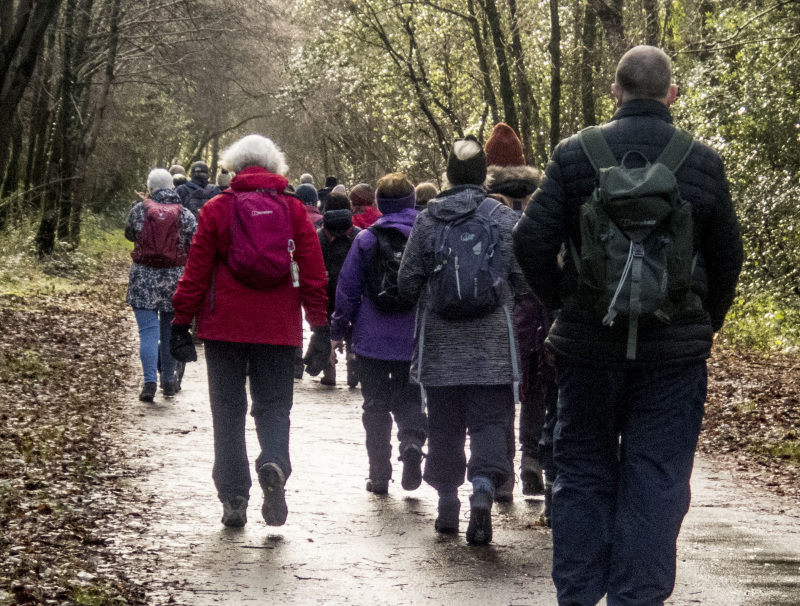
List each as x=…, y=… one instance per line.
x=342, y=545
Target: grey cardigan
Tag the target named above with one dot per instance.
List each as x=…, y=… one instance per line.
x=472, y=352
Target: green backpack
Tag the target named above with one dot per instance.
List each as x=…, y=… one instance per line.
x=636, y=256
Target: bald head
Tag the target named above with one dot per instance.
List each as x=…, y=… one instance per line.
x=644, y=72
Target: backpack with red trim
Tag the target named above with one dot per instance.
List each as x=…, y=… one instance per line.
x=158, y=243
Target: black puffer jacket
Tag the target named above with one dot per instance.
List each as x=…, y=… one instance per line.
x=552, y=219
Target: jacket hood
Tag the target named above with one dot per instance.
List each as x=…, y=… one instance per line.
x=456, y=202
x=512, y=181
x=255, y=177
x=337, y=221
x=405, y=217
x=165, y=196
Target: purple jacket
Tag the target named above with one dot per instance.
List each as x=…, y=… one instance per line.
x=376, y=334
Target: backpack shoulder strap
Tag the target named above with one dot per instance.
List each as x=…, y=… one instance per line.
x=677, y=150
x=488, y=206
x=596, y=149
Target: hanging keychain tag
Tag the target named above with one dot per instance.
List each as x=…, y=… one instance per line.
x=294, y=268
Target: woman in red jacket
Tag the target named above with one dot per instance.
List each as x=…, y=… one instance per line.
x=251, y=325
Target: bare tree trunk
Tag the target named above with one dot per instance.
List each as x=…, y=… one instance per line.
x=11, y=181
x=506, y=88
x=214, y=159
x=652, y=25
x=589, y=39
x=555, y=74
x=610, y=14
x=483, y=62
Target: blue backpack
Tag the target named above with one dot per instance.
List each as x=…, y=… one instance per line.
x=467, y=280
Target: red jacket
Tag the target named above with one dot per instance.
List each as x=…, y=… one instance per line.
x=368, y=217
x=226, y=309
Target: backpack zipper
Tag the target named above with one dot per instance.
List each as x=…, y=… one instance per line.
x=458, y=280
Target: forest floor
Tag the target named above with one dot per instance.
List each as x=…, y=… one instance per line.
x=86, y=505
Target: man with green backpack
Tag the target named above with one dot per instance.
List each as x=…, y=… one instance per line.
x=633, y=238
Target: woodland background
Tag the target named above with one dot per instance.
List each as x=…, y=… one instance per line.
x=94, y=93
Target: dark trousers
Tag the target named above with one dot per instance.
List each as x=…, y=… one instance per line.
x=271, y=372
x=387, y=392
x=453, y=412
x=537, y=416
x=624, y=449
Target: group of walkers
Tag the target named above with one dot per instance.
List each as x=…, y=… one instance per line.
x=591, y=293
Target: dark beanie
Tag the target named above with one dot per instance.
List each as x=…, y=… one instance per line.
x=469, y=171
x=504, y=147
x=337, y=202
x=395, y=193
x=199, y=168
x=331, y=182
x=362, y=195
x=307, y=194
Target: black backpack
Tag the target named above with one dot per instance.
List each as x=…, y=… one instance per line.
x=390, y=244
x=467, y=280
x=198, y=197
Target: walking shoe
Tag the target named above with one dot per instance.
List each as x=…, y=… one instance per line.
x=169, y=389
x=234, y=512
x=272, y=479
x=412, y=467
x=352, y=371
x=329, y=375
x=449, y=510
x=377, y=487
x=148, y=392
x=505, y=494
x=531, y=475
x=548, y=503
x=479, y=530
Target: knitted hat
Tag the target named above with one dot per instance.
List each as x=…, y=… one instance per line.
x=179, y=179
x=200, y=168
x=307, y=194
x=425, y=191
x=306, y=178
x=395, y=193
x=177, y=169
x=224, y=179
x=337, y=201
x=504, y=147
x=466, y=164
x=362, y=195
x=330, y=182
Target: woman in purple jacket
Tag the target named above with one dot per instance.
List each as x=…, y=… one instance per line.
x=383, y=336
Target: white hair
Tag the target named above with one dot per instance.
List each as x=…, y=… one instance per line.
x=254, y=150
x=306, y=178
x=339, y=189
x=159, y=178
x=464, y=149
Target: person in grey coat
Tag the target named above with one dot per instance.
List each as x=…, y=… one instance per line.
x=468, y=368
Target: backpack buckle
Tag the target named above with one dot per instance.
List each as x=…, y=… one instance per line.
x=638, y=250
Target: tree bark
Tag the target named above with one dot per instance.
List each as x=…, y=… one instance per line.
x=589, y=38
x=652, y=25
x=506, y=88
x=555, y=74
x=11, y=181
x=610, y=14
x=483, y=62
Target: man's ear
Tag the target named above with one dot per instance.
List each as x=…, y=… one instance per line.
x=672, y=94
x=616, y=90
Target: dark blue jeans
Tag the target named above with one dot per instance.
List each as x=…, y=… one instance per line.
x=270, y=369
x=624, y=449
x=387, y=391
x=481, y=410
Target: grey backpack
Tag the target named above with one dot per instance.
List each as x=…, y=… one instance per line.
x=467, y=280
x=636, y=255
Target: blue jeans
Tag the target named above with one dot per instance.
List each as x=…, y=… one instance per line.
x=155, y=329
x=270, y=369
x=624, y=448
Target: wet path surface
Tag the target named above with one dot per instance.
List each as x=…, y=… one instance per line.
x=342, y=545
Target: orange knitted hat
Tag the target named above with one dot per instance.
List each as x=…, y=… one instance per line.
x=504, y=147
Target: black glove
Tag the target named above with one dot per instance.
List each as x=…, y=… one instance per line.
x=181, y=343
x=319, y=350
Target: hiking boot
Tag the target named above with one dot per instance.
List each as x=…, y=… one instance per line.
x=548, y=503
x=169, y=389
x=329, y=375
x=352, y=371
x=479, y=530
x=505, y=494
x=377, y=487
x=531, y=476
x=148, y=392
x=447, y=520
x=412, y=467
x=234, y=512
x=272, y=479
